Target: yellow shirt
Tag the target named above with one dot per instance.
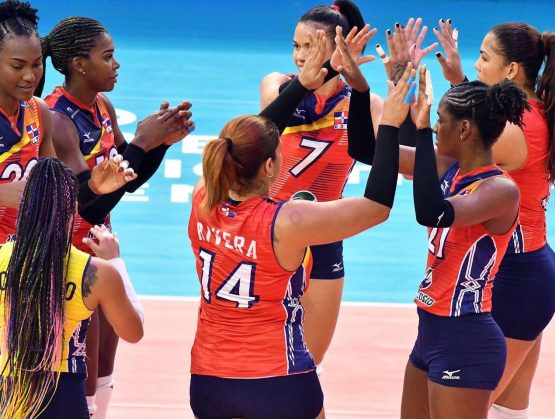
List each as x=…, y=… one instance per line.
x=76, y=313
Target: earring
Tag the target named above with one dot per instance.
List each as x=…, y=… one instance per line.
x=84, y=72
x=269, y=175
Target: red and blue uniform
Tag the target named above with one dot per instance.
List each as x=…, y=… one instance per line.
x=315, y=158
x=20, y=143
x=524, y=290
x=459, y=344
x=250, y=318
x=96, y=140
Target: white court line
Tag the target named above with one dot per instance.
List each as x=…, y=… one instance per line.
x=343, y=303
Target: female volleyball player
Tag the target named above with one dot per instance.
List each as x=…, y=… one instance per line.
x=25, y=122
x=85, y=133
x=249, y=358
x=48, y=291
x=524, y=291
x=316, y=150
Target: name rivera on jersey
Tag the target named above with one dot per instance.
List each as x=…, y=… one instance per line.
x=228, y=240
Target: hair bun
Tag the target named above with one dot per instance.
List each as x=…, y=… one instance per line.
x=11, y=9
x=507, y=101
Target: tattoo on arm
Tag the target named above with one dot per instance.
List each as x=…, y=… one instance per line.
x=89, y=280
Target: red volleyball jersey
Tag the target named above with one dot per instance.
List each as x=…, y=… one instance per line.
x=19, y=150
x=314, y=148
x=462, y=261
x=533, y=181
x=250, y=317
x=96, y=141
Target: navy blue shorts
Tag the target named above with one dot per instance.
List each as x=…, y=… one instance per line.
x=291, y=396
x=467, y=351
x=524, y=293
x=327, y=261
x=69, y=401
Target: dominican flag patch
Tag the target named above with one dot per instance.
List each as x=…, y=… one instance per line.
x=340, y=120
x=33, y=132
x=227, y=212
x=106, y=123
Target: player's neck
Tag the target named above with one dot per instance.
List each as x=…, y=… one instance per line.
x=246, y=195
x=81, y=92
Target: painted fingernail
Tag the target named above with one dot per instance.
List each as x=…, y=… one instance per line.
x=388, y=32
x=397, y=24
x=441, y=20
x=449, y=21
x=438, y=54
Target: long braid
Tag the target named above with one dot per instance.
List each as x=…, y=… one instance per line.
x=34, y=294
x=489, y=107
x=71, y=37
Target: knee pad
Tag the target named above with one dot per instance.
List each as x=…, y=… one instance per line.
x=91, y=404
x=501, y=412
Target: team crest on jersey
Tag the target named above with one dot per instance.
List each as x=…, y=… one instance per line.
x=427, y=281
x=106, y=123
x=33, y=132
x=227, y=212
x=340, y=120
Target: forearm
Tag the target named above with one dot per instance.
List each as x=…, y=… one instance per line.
x=430, y=207
x=282, y=107
x=360, y=130
x=150, y=164
x=382, y=180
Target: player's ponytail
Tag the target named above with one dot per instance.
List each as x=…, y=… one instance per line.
x=233, y=161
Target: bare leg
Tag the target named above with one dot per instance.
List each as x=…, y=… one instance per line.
x=321, y=304
x=108, y=344
x=515, y=394
x=414, y=404
x=458, y=403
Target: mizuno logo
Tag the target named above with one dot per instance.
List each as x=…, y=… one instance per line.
x=337, y=267
x=448, y=375
x=88, y=138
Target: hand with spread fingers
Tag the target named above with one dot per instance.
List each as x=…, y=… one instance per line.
x=404, y=45
x=356, y=41
x=349, y=68
x=111, y=175
x=450, y=61
x=108, y=245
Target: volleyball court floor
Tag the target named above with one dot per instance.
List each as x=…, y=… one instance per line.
x=363, y=369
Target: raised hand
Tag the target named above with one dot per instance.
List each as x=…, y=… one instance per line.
x=356, y=41
x=421, y=109
x=397, y=103
x=349, y=68
x=111, y=175
x=451, y=61
x=404, y=45
x=312, y=74
x=108, y=244
x=415, y=37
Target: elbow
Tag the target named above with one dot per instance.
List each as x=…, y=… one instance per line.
x=136, y=336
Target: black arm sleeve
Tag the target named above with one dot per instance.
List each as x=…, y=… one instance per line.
x=85, y=195
x=431, y=209
x=382, y=181
x=360, y=130
x=97, y=211
x=282, y=107
x=150, y=164
x=407, y=132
